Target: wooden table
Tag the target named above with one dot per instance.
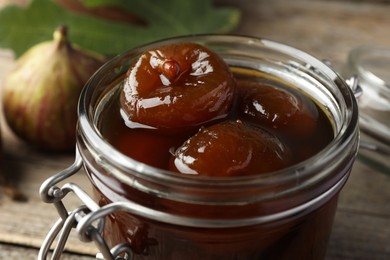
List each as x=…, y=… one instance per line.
x=326, y=29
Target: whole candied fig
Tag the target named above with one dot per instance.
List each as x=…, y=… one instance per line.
x=284, y=109
x=42, y=90
x=230, y=149
x=177, y=86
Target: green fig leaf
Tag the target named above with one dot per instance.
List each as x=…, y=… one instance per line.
x=23, y=27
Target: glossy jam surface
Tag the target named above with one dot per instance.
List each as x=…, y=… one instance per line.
x=181, y=108
x=280, y=130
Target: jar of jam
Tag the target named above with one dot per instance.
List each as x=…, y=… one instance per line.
x=144, y=209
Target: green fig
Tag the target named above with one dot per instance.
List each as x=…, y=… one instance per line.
x=41, y=92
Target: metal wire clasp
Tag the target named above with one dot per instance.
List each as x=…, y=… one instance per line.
x=353, y=83
x=75, y=219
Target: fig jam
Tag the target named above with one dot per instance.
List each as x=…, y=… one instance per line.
x=155, y=148
x=258, y=179
x=305, y=135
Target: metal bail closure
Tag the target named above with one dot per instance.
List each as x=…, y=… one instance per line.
x=87, y=231
x=353, y=83
x=61, y=229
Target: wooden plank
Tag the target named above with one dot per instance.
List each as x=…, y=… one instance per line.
x=361, y=228
x=8, y=251
x=27, y=223
x=327, y=29
x=359, y=236
x=366, y=192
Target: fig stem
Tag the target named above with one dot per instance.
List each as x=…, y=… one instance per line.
x=171, y=69
x=60, y=35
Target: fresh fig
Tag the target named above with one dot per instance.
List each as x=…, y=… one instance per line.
x=42, y=89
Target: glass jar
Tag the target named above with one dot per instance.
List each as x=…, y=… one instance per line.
x=371, y=65
x=286, y=214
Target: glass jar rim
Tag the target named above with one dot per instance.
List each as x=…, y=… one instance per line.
x=109, y=155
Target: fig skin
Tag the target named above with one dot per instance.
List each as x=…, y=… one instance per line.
x=42, y=89
x=230, y=149
x=178, y=86
x=283, y=109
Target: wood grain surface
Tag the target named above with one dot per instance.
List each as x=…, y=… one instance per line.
x=326, y=29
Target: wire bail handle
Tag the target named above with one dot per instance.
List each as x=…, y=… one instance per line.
x=87, y=219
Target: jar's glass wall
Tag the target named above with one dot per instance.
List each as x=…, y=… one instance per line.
x=293, y=207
